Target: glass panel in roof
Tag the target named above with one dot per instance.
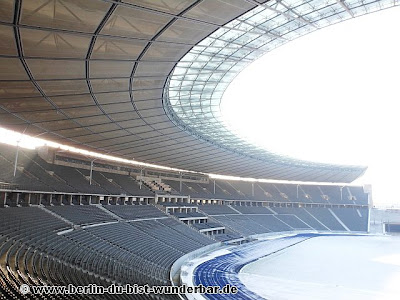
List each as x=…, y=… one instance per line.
x=109, y=84
x=132, y=22
x=12, y=69
x=170, y=6
x=18, y=89
x=186, y=31
x=7, y=41
x=217, y=11
x=110, y=68
x=56, y=69
x=68, y=15
x=7, y=10
x=104, y=98
x=41, y=43
x=228, y=50
x=72, y=100
x=165, y=52
x=64, y=87
x=113, y=48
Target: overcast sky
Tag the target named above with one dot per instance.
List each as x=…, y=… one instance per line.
x=330, y=96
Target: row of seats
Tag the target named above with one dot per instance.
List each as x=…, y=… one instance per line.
x=263, y=191
x=140, y=249
x=140, y=252
x=33, y=173
x=249, y=220
x=82, y=214
x=191, y=214
x=131, y=212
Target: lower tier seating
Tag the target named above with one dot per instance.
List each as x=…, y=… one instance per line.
x=83, y=244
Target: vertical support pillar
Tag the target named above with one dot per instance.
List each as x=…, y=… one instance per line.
x=95, y=200
x=252, y=189
x=141, y=179
x=14, y=199
x=91, y=172
x=26, y=201
x=41, y=199
x=47, y=199
x=16, y=160
x=214, y=186
x=3, y=197
x=180, y=182
x=59, y=199
x=34, y=199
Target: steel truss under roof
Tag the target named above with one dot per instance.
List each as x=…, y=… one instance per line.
x=92, y=74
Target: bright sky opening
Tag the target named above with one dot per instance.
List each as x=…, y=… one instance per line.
x=331, y=96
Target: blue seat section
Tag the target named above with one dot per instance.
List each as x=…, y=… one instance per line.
x=224, y=269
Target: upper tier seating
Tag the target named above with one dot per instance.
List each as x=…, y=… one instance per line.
x=263, y=191
x=82, y=214
x=211, y=209
x=129, y=184
x=132, y=212
x=252, y=209
x=35, y=174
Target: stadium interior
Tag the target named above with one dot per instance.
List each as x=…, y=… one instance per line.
x=143, y=80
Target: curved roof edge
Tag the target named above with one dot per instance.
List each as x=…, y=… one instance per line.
x=195, y=87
